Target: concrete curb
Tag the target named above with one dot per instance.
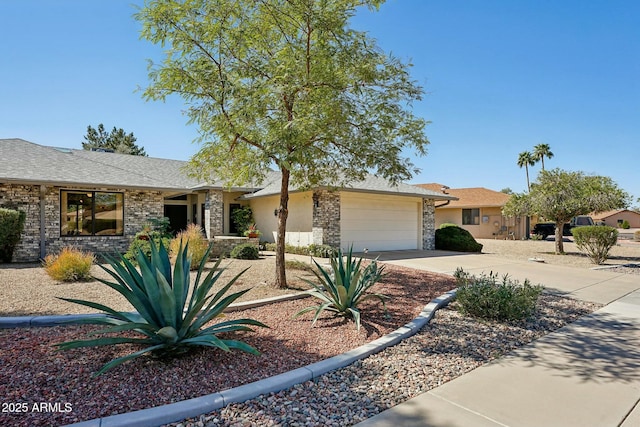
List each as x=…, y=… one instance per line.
x=57, y=320
x=178, y=411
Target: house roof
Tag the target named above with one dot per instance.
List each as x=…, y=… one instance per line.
x=25, y=162
x=371, y=184
x=474, y=197
x=607, y=214
x=29, y=163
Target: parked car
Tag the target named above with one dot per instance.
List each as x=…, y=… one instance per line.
x=546, y=229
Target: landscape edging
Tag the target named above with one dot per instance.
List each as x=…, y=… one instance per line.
x=174, y=412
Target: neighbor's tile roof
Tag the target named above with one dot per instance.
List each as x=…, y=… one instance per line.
x=607, y=214
x=469, y=197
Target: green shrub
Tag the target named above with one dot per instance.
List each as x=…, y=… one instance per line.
x=318, y=251
x=487, y=297
x=342, y=290
x=142, y=242
x=625, y=225
x=197, y=244
x=454, y=238
x=447, y=224
x=322, y=251
x=595, y=241
x=169, y=319
x=11, y=227
x=70, y=265
x=245, y=251
x=242, y=218
x=534, y=236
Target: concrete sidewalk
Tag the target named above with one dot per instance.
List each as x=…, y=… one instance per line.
x=586, y=374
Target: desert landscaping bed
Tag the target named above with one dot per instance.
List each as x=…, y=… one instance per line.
x=34, y=372
x=449, y=346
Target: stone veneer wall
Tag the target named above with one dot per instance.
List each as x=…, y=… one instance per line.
x=223, y=245
x=428, y=224
x=213, y=213
x=139, y=207
x=326, y=218
x=25, y=198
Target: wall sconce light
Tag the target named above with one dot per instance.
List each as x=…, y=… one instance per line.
x=275, y=212
x=316, y=201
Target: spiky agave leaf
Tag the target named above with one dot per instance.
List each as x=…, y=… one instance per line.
x=343, y=291
x=170, y=322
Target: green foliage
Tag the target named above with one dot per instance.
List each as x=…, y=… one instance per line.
x=540, y=151
x=526, y=159
x=156, y=230
x=318, y=251
x=625, y=225
x=70, y=265
x=343, y=289
x=595, y=241
x=560, y=195
x=245, y=251
x=487, y=297
x=252, y=231
x=172, y=316
x=454, y=238
x=11, y=227
x=198, y=245
x=242, y=218
x=116, y=140
x=447, y=224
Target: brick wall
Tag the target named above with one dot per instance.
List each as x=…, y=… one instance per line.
x=213, y=213
x=326, y=218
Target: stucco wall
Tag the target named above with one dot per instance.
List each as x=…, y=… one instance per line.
x=299, y=221
x=491, y=223
x=632, y=217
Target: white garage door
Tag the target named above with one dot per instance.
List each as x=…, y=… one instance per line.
x=379, y=223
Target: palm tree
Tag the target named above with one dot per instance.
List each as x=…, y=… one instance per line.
x=526, y=159
x=540, y=151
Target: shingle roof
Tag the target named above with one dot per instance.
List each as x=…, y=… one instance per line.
x=25, y=162
x=470, y=197
x=371, y=184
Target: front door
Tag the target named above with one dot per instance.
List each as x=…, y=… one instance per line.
x=177, y=215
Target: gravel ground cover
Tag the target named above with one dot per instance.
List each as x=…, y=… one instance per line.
x=31, y=371
x=449, y=346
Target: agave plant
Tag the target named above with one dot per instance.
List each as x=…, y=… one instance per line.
x=169, y=321
x=343, y=289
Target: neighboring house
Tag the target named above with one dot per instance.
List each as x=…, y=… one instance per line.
x=615, y=218
x=98, y=201
x=478, y=210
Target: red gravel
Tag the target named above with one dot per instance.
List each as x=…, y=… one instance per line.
x=32, y=372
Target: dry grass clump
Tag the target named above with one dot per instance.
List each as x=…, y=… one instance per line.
x=197, y=244
x=70, y=265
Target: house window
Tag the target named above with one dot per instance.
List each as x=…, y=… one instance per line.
x=91, y=213
x=470, y=216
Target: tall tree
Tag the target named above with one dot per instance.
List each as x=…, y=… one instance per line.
x=116, y=140
x=285, y=84
x=526, y=159
x=541, y=151
x=560, y=195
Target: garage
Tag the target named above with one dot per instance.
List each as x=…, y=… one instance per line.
x=380, y=222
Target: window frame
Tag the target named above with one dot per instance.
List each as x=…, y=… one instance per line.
x=93, y=198
x=473, y=215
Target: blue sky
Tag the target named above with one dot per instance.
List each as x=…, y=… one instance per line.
x=500, y=77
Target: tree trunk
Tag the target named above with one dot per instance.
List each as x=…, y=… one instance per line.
x=559, y=237
x=283, y=213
